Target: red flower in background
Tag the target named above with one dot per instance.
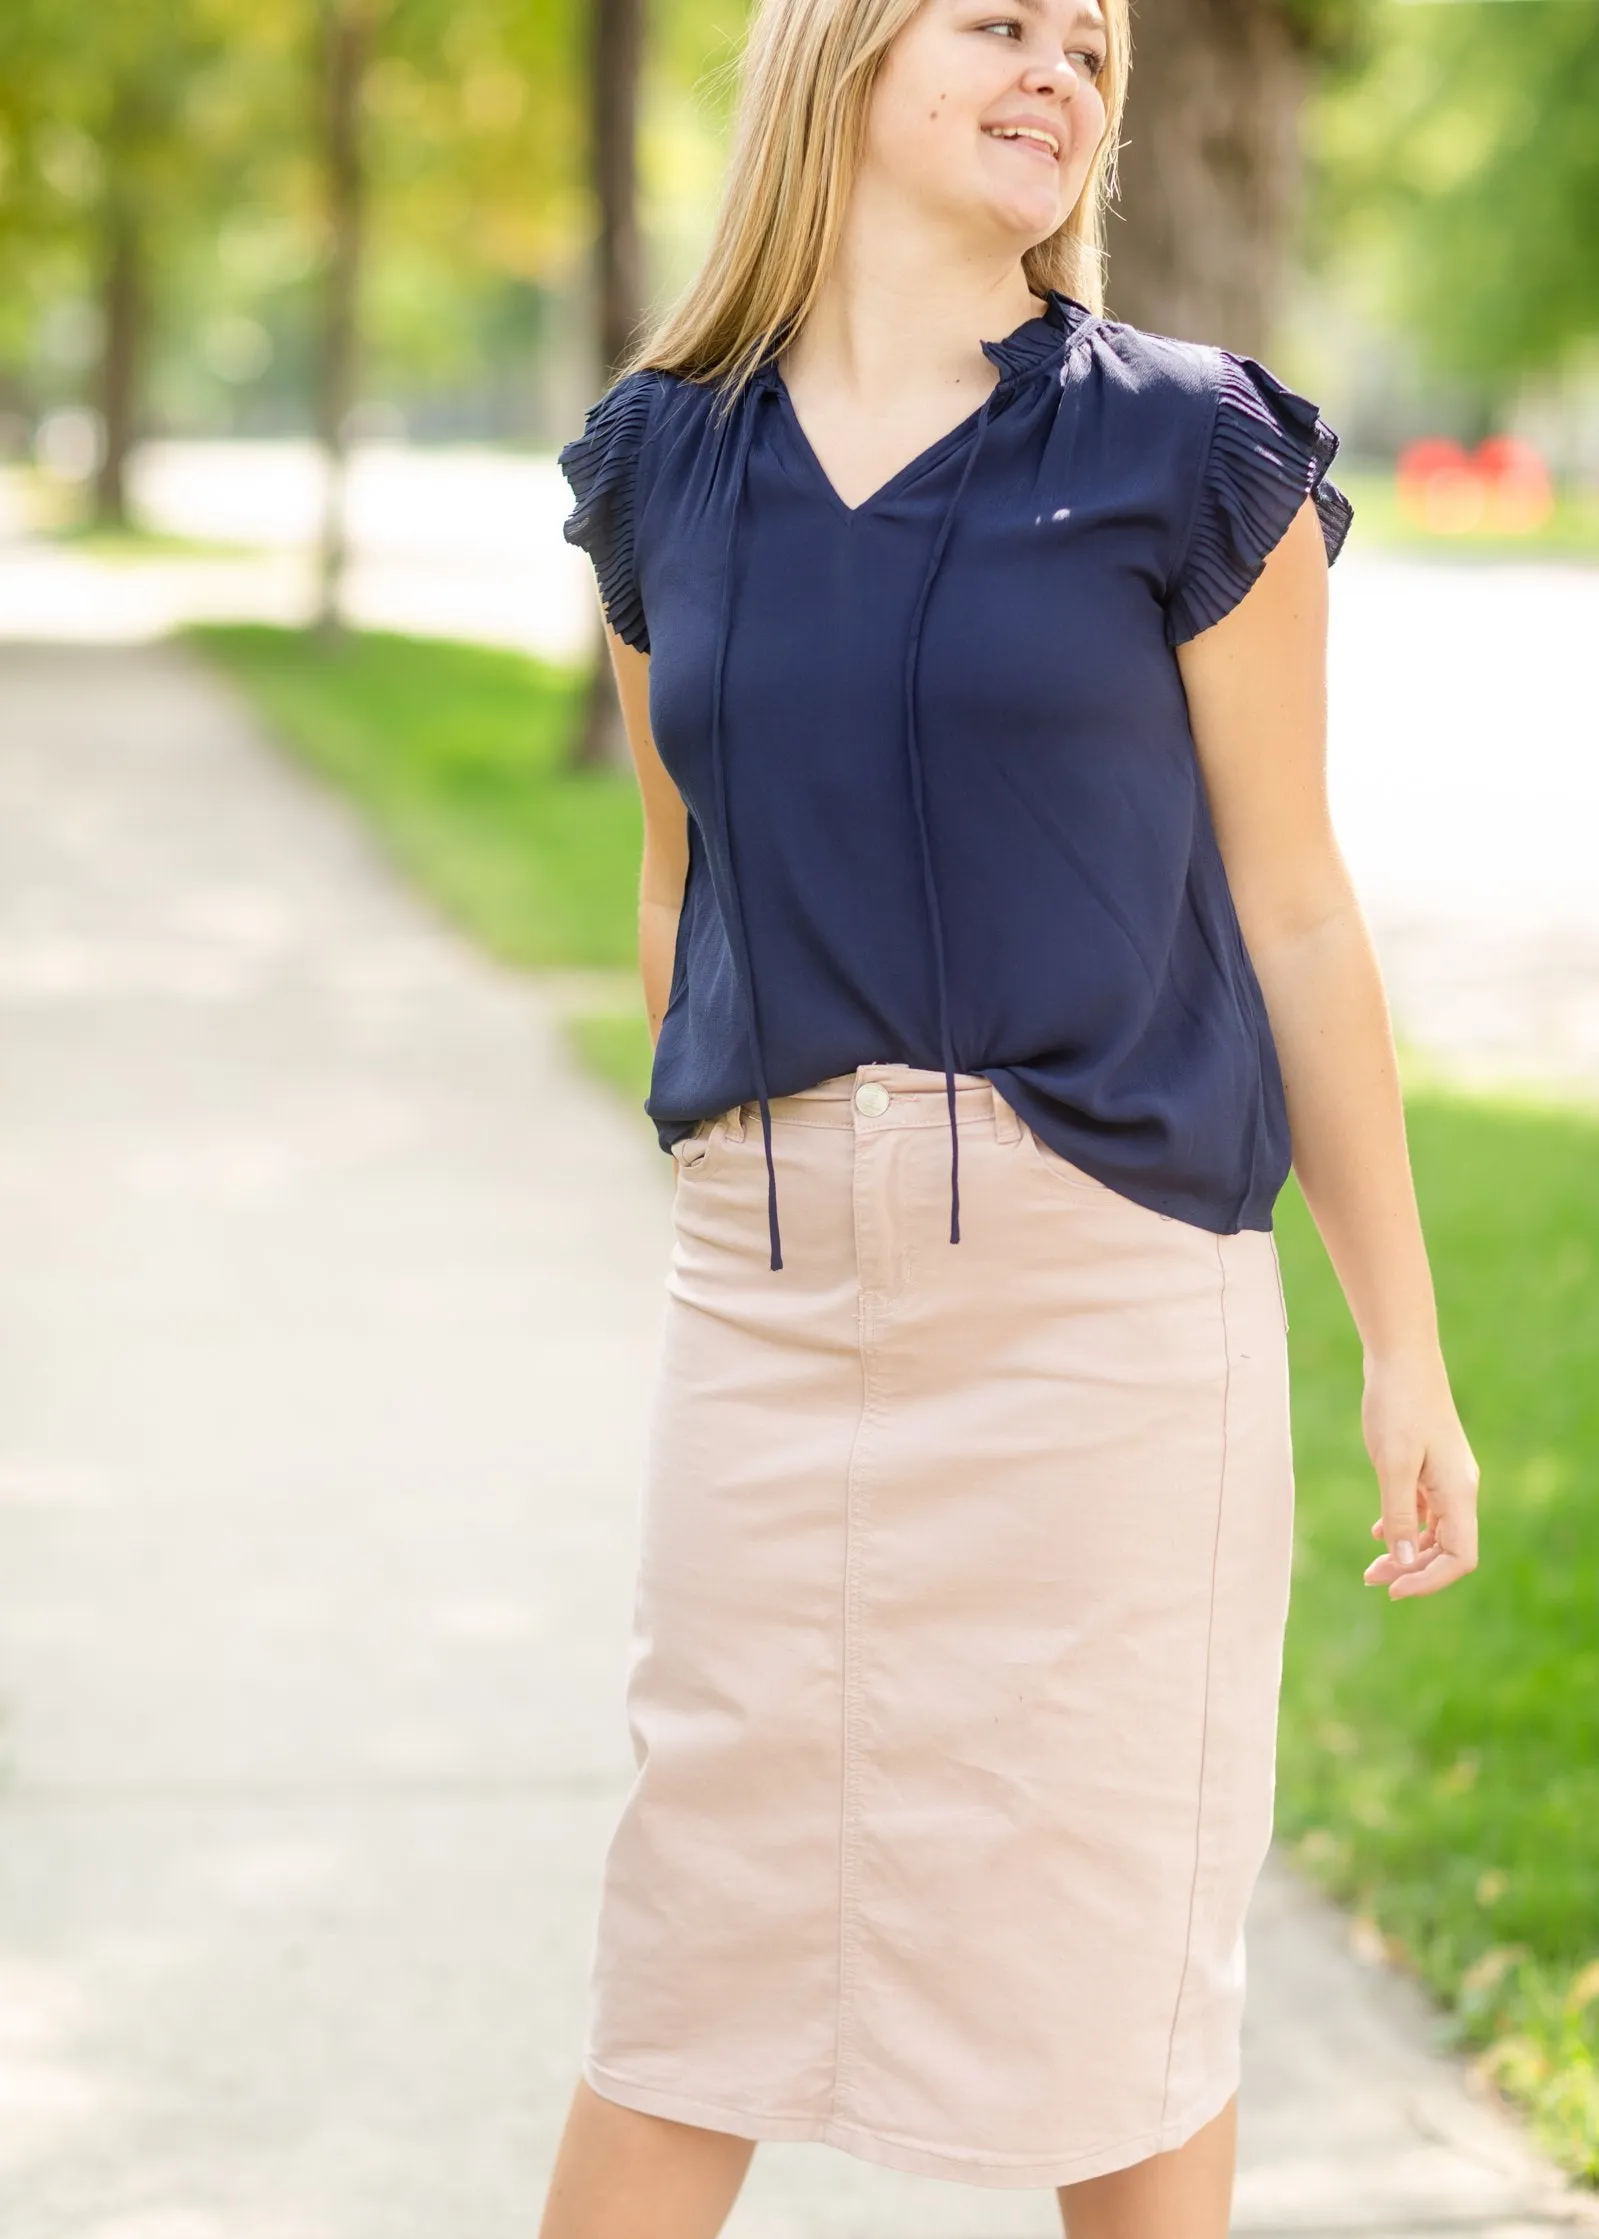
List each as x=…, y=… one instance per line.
x=1502, y=487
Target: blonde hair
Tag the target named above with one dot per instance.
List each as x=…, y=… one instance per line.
x=805, y=86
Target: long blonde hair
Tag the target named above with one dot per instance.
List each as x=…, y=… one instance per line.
x=805, y=87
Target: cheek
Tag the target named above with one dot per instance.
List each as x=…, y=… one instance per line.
x=939, y=116
x=914, y=142
x=1088, y=131
x=916, y=117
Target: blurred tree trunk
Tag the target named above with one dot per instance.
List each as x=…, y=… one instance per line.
x=616, y=65
x=122, y=308
x=1209, y=170
x=345, y=37
x=123, y=297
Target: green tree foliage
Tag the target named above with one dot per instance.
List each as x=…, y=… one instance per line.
x=123, y=135
x=473, y=121
x=1456, y=162
x=1458, y=157
x=200, y=119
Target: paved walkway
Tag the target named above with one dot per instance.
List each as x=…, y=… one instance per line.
x=329, y=1292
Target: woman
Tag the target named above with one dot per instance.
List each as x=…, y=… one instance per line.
x=989, y=905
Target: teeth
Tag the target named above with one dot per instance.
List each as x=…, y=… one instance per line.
x=1022, y=132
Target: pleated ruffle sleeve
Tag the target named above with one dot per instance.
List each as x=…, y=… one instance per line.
x=601, y=465
x=1269, y=450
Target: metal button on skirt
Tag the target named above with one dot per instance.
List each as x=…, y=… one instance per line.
x=956, y=1653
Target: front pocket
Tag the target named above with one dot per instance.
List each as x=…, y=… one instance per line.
x=1060, y=1170
x=693, y=1150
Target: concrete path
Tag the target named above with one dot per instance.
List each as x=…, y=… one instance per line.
x=329, y=1293
x=452, y=541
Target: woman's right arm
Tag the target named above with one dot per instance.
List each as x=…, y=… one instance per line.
x=664, y=870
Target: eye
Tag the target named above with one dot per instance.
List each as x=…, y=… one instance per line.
x=1091, y=55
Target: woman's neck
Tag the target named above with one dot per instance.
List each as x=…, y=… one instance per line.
x=875, y=318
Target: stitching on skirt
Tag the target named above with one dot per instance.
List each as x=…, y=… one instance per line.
x=848, y=1679
x=1210, y=1642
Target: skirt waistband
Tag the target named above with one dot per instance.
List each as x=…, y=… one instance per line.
x=884, y=1095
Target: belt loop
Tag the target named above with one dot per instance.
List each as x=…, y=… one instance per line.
x=1007, y=1123
x=735, y=1123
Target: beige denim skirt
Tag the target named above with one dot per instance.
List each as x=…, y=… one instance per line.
x=956, y=1652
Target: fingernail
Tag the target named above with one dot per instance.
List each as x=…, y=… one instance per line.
x=1406, y=1551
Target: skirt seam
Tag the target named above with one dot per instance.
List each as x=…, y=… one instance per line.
x=1204, y=1728
x=849, y=1676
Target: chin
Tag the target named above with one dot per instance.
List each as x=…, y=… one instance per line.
x=1024, y=227
x=1030, y=217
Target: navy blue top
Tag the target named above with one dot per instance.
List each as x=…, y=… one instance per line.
x=944, y=807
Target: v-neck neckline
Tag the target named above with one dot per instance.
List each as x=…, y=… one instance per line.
x=1013, y=354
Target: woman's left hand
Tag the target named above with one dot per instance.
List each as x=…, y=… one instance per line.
x=1428, y=1477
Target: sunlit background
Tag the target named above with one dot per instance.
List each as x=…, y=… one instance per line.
x=240, y=243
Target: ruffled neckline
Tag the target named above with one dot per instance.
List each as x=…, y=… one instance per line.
x=1039, y=342
x=1042, y=340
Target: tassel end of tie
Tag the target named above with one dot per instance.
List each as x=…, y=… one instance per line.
x=776, y=1261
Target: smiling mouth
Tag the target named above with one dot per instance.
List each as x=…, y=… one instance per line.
x=1024, y=136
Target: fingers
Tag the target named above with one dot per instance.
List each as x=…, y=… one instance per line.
x=1387, y=1567
x=1427, y=1478
x=1398, y=1465
x=1429, y=1531
x=1445, y=1551
x=1432, y=1579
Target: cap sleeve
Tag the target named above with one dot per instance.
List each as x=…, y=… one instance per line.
x=601, y=465
x=1269, y=451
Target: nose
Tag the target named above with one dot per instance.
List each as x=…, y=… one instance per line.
x=1052, y=78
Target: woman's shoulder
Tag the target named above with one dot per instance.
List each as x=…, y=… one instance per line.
x=1164, y=367
x=1192, y=381
x=614, y=468
x=1255, y=448
x=614, y=428
x=601, y=465
x=623, y=424
x=1209, y=381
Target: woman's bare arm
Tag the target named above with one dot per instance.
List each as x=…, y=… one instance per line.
x=1257, y=700
x=664, y=868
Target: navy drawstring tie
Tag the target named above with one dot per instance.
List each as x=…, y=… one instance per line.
x=762, y=384
x=914, y=755
x=913, y=750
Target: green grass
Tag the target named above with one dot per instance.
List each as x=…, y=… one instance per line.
x=457, y=754
x=616, y=1047
x=1439, y=1766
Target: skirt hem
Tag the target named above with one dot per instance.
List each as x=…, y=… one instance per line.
x=909, y=2156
